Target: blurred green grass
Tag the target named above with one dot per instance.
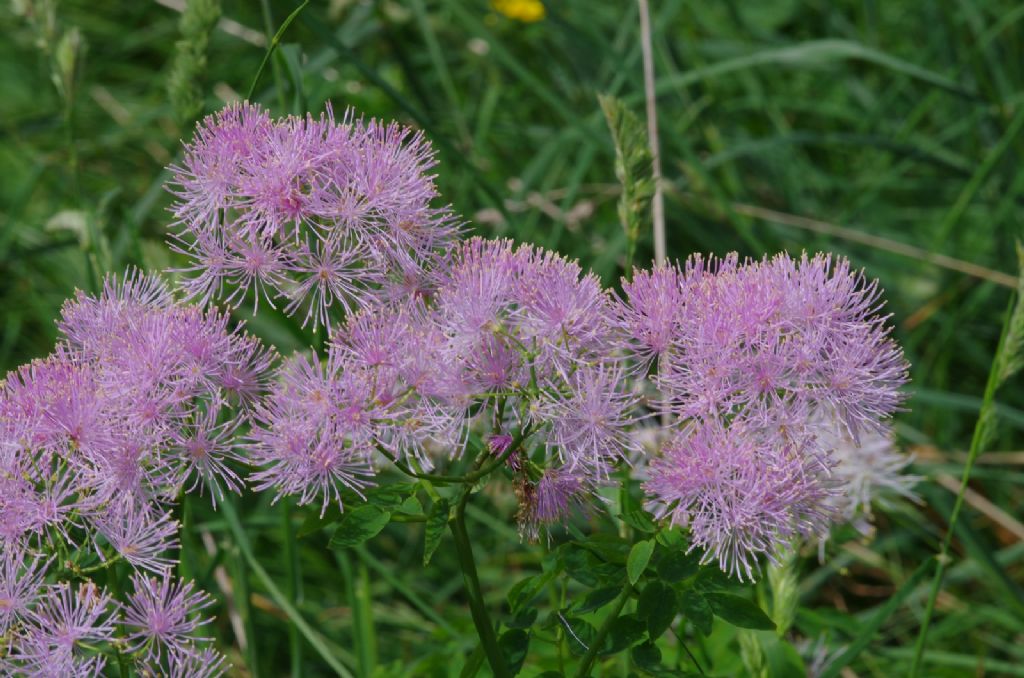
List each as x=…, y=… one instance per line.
x=780, y=122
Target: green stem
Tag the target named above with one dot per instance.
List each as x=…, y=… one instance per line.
x=517, y=441
x=471, y=477
x=482, y=621
x=602, y=633
x=275, y=41
x=447, y=480
x=268, y=22
x=977, y=441
x=293, y=587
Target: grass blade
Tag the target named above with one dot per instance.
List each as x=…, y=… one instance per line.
x=870, y=629
x=296, y=618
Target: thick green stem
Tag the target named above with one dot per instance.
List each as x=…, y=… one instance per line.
x=595, y=646
x=482, y=621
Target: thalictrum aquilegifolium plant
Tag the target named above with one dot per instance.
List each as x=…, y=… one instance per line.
x=749, y=400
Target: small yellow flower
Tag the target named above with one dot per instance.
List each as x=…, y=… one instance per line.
x=526, y=11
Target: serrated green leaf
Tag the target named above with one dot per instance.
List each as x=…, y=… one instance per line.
x=675, y=566
x=639, y=557
x=624, y=632
x=647, y=656
x=657, y=607
x=359, y=524
x=695, y=608
x=514, y=645
x=739, y=611
x=433, y=530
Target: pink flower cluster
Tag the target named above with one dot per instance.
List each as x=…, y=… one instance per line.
x=97, y=442
x=316, y=212
x=516, y=340
x=762, y=365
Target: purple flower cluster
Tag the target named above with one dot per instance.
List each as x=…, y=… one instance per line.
x=97, y=442
x=520, y=331
x=759, y=363
x=759, y=367
x=313, y=211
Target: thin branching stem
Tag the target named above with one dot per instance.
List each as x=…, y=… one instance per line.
x=587, y=663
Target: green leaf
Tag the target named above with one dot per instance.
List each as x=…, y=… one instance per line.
x=523, y=619
x=639, y=520
x=579, y=634
x=647, y=656
x=810, y=52
x=657, y=606
x=514, y=645
x=411, y=506
x=710, y=578
x=608, y=547
x=696, y=608
x=598, y=598
x=389, y=497
x=525, y=590
x=624, y=632
x=580, y=564
x=671, y=538
x=639, y=556
x=739, y=611
x=358, y=525
x=434, y=528
x=676, y=566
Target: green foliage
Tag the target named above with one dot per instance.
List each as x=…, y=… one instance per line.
x=186, y=81
x=359, y=524
x=739, y=611
x=639, y=557
x=434, y=529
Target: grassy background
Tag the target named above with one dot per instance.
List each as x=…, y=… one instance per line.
x=886, y=132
